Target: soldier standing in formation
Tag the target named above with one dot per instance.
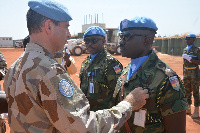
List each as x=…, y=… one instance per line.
x=41, y=95
x=165, y=108
x=26, y=41
x=3, y=102
x=99, y=71
x=191, y=60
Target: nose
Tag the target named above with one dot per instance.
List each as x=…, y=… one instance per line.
x=68, y=34
x=121, y=42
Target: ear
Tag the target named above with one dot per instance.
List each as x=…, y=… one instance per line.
x=48, y=26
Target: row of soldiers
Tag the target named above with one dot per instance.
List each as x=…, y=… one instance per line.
x=42, y=97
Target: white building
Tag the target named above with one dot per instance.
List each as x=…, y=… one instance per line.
x=6, y=42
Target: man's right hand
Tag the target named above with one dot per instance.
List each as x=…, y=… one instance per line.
x=137, y=98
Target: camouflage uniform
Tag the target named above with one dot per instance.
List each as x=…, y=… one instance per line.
x=103, y=71
x=2, y=124
x=3, y=71
x=3, y=66
x=37, y=103
x=164, y=99
x=191, y=75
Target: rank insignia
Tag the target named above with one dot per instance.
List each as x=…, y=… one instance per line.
x=174, y=82
x=117, y=69
x=65, y=88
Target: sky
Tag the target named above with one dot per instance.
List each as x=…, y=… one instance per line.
x=172, y=17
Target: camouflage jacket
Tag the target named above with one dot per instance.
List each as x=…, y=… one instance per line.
x=165, y=97
x=103, y=72
x=194, y=52
x=3, y=66
x=43, y=98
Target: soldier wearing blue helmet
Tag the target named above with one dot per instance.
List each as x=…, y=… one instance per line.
x=41, y=95
x=99, y=71
x=191, y=74
x=167, y=98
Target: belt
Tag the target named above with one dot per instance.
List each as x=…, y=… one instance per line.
x=190, y=68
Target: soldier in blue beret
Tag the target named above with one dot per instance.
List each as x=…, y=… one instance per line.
x=41, y=95
x=165, y=109
x=99, y=71
x=191, y=74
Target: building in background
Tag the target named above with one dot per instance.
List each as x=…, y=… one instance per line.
x=6, y=42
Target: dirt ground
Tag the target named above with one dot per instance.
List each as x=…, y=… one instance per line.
x=192, y=125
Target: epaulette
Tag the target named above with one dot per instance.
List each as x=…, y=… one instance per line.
x=109, y=57
x=166, y=69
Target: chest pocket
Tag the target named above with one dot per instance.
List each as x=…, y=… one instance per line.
x=98, y=74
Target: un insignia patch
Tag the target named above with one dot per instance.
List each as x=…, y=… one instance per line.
x=65, y=88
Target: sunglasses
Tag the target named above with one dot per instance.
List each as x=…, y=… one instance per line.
x=92, y=40
x=125, y=36
x=188, y=38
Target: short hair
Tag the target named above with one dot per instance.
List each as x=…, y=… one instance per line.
x=35, y=21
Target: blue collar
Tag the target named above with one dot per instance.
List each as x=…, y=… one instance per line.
x=135, y=65
x=189, y=47
x=92, y=57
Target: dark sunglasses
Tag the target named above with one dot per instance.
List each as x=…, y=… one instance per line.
x=125, y=36
x=92, y=40
x=188, y=38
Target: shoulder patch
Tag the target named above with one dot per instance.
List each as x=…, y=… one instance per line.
x=65, y=88
x=174, y=82
x=117, y=69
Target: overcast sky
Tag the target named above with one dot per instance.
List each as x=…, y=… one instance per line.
x=171, y=16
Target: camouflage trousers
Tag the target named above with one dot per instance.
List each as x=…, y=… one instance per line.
x=191, y=85
x=2, y=125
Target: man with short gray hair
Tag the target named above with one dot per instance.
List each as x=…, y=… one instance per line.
x=41, y=95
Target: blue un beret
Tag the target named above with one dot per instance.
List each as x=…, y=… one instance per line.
x=50, y=9
x=94, y=30
x=143, y=23
x=190, y=36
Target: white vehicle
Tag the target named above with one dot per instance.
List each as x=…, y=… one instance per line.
x=18, y=44
x=76, y=46
x=112, y=41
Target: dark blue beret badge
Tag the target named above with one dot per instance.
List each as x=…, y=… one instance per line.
x=65, y=88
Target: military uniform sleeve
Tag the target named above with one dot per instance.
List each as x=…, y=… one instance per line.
x=172, y=99
x=114, y=70
x=198, y=54
x=70, y=113
x=3, y=66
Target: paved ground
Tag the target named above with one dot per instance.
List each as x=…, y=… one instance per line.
x=192, y=126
